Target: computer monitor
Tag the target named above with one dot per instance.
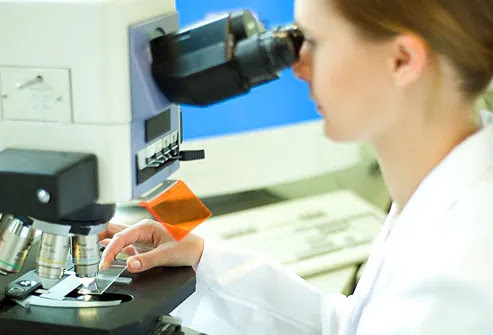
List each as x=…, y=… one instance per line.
x=272, y=135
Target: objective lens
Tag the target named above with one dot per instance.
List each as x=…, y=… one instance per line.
x=86, y=255
x=52, y=258
x=16, y=237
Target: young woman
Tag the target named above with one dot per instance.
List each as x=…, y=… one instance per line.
x=404, y=76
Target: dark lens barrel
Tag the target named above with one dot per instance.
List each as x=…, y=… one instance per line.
x=226, y=52
x=262, y=56
x=296, y=36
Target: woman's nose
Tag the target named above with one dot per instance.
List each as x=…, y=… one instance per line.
x=303, y=68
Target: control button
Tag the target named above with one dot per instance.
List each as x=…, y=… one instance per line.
x=15, y=291
x=141, y=159
x=150, y=151
x=160, y=158
x=174, y=137
x=153, y=163
x=158, y=146
x=27, y=283
x=166, y=142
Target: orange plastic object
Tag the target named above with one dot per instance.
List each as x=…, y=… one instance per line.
x=178, y=209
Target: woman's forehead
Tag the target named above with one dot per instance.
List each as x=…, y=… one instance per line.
x=309, y=14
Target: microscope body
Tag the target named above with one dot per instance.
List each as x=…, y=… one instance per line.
x=82, y=123
x=82, y=128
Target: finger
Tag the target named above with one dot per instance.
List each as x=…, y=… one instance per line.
x=111, y=230
x=123, y=239
x=105, y=242
x=156, y=257
x=129, y=251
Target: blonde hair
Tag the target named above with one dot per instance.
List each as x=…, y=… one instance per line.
x=460, y=30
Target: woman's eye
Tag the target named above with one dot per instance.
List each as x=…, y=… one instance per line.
x=310, y=43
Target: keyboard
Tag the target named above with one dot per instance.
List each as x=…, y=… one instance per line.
x=309, y=235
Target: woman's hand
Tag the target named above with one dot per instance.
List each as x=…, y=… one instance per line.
x=149, y=245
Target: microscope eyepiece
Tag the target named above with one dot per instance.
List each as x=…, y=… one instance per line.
x=261, y=57
x=296, y=36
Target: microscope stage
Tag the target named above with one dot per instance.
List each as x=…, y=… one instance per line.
x=151, y=294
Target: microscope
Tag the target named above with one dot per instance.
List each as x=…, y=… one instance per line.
x=89, y=118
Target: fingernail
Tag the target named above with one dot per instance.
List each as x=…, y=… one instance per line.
x=102, y=265
x=135, y=264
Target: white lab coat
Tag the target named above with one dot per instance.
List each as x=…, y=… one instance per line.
x=430, y=272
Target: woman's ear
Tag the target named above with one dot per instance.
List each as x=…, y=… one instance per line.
x=408, y=60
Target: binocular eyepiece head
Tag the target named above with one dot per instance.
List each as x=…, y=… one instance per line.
x=223, y=58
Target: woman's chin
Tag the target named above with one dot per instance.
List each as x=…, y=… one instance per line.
x=337, y=135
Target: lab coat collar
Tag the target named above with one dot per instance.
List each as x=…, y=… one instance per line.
x=461, y=168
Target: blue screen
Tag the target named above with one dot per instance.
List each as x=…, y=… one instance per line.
x=281, y=102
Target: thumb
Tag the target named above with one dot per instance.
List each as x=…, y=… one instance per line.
x=149, y=260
